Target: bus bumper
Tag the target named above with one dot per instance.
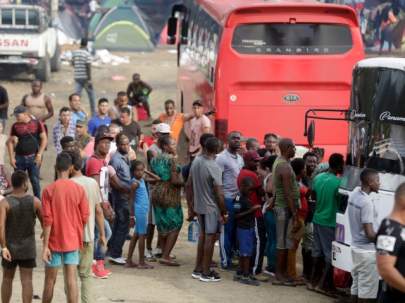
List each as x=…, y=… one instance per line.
x=342, y=256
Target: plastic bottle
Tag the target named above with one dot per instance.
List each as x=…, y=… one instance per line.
x=193, y=231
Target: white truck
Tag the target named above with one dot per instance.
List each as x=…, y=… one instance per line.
x=28, y=42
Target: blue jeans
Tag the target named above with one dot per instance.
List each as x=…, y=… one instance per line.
x=81, y=84
x=227, y=240
x=99, y=254
x=270, y=222
x=120, y=228
x=27, y=163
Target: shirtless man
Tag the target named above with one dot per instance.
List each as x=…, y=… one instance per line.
x=38, y=104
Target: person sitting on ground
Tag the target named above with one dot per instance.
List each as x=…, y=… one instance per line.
x=63, y=127
x=390, y=245
x=363, y=227
x=245, y=225
x=270, y=145
x=37, y=103
x=139, y=210
x=17, y=236
x=101, y=118
x=76, y=109
x=138, y=93
x=65, y=211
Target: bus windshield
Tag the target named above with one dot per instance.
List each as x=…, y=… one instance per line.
x=378, y=139
x=293, y=39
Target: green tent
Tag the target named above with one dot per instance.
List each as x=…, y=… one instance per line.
x=121, y=28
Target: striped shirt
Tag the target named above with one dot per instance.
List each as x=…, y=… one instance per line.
x=80, y=59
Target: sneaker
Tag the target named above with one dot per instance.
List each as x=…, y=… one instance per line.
x=249, y=281
x=211, y=277
x=117, y=261
x=269, y=273
x=149, y=256
x=98, y=273
x=196, y=274
x=262, y=277
x=157, y=253
x=102, y=269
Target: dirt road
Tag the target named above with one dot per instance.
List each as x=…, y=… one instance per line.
x=161, y=284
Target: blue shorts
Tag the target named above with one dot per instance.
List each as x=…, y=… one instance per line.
x=246, y=238
x=141, y=222
x=64, y=258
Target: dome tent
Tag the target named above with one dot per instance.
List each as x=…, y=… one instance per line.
x=121, y=28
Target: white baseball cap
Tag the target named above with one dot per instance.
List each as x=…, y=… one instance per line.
x=163, y=128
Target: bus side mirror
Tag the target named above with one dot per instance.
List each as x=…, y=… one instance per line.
x=171, y=30
x=311, y=133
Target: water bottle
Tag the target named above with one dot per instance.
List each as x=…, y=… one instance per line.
x=193, y=231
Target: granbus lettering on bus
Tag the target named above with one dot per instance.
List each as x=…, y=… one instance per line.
x=14, y=42
x=248, y=48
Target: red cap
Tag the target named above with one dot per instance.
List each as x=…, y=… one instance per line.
x=251, y=156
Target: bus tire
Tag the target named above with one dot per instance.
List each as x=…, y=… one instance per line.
x=55, y=61
x=43, y=71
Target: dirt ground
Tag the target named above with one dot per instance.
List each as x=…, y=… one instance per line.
x=161, y=284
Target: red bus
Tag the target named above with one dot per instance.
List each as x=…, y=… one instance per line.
x=262, y=64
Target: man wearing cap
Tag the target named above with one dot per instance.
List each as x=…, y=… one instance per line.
x=197, y=126
x=82, y=136
x=231, y=164
x=96, y=168
x=251, y=160
x=121, y=164
x=26, y=145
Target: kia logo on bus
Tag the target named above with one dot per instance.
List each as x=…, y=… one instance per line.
x=291, y=98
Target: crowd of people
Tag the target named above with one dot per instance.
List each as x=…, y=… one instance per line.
x=260, y=201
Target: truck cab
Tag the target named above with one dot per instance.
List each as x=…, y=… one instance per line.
x=28, y=42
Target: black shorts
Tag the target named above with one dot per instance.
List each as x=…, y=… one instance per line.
x=29, y=263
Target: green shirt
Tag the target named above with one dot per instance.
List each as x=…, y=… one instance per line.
x=280, y=199
x=326, y=186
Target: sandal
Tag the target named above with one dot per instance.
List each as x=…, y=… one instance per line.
x=145, y=266
x=168, y=262
x=131, y=265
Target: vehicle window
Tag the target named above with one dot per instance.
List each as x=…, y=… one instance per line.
x=20, y=17
x=292, y=39
x=7, y=17
x=33, y=17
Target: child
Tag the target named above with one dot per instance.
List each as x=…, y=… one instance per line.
x=245, y=222
x=298, y=166
x=139, y=211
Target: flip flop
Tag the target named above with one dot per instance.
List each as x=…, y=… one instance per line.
x=168, y=263
x=132, y=265
x=145, y=266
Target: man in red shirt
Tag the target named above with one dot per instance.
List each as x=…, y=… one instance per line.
x=65, y=211
x=251, y=160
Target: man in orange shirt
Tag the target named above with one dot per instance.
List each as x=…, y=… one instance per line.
x=65, y=212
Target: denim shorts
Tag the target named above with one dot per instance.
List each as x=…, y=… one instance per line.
x=246, y=238
x=64, y=258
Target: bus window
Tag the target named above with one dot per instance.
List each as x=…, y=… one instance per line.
x=292, y=39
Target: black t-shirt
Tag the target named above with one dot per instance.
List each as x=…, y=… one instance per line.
x=3, y=100
x=132, y=131
x=391, y=241
x=240, y=205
